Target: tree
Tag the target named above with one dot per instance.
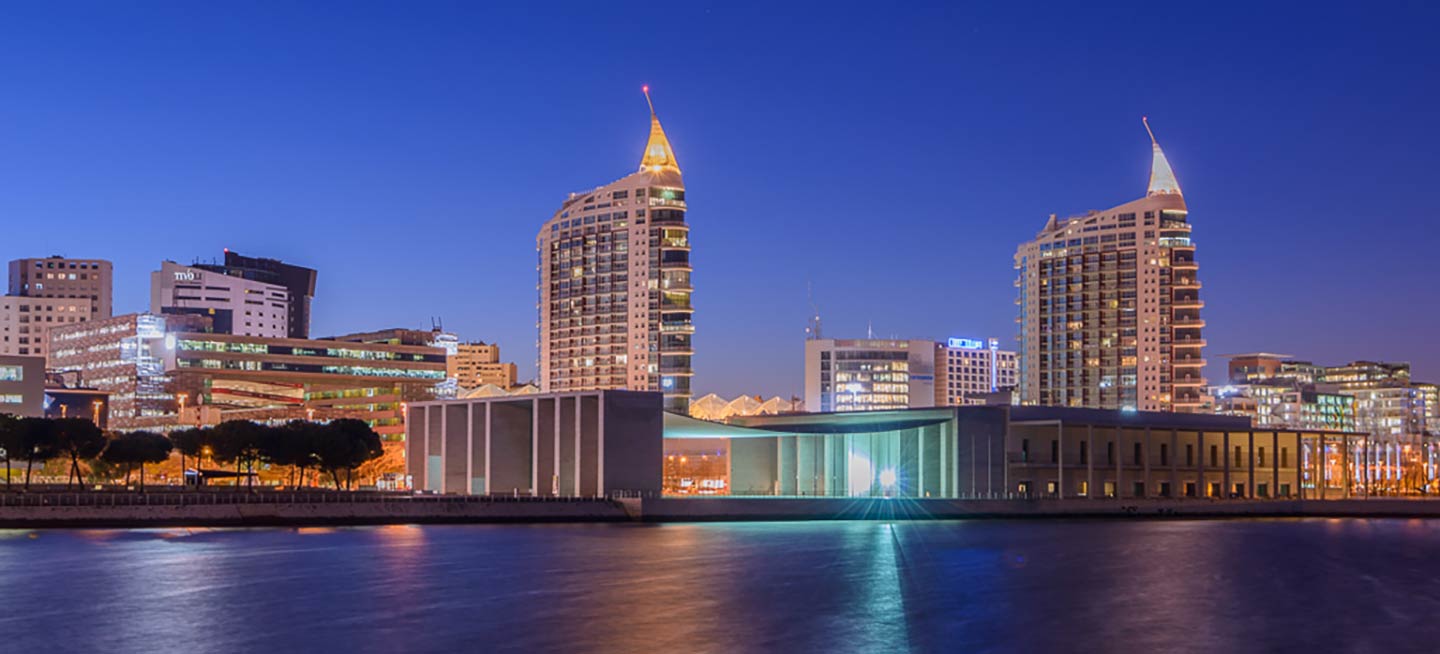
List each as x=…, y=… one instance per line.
x=38, y=441
x=345, y=444
x=122, y=452
x=79, y=439
x=138, y=447
x=238, y=441
x=190, y=442
x=294, y=444
x=9, y=441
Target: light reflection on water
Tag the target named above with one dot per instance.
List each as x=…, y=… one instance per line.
x=1256, y=585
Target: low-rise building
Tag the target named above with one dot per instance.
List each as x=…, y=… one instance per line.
x=22, y=385
x=477, y=364
x=24, y=321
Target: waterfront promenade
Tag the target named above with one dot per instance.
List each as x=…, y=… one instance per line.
x=87, y=509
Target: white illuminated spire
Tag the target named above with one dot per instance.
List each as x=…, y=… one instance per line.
x=1162, y=178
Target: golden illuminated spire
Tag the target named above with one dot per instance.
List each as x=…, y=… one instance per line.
x=1162, y=179
x=658, y=154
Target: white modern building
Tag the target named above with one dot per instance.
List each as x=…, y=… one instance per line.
x=868, y=374
x=968, y=370
x=238, y=306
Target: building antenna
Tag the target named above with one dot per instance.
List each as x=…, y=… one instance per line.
x=646, y=90
x=1146, y=121
x=869, y=329
x=812, y=331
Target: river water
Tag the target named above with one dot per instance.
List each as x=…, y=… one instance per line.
x=964, y=586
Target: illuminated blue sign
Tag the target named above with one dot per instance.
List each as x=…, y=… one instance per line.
x=966, y=344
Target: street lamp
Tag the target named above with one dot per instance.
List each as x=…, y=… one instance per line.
x=96, y=406
x=310, y=414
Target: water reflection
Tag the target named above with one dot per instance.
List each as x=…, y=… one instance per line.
x=818, y=586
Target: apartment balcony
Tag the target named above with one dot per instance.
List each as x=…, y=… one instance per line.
x=1188, y=381
x=1188, y=362
x=1189, y=264
x=1185, y=283
x=1187, y=322
x=1189, y=342
x=1189, y=303
x=677, y=328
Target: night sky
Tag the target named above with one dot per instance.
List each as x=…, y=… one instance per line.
x=891, y=155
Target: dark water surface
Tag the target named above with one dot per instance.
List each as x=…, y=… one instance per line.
x=1117, y=586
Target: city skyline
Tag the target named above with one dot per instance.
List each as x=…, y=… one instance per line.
x=322, y=190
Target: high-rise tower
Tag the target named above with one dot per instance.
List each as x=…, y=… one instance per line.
x=1110, y=305
x=614, y=263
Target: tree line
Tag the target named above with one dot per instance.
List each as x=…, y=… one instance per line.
x=336, y=447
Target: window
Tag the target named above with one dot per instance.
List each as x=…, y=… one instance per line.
x=1110, y=452
x=1164, y=454
x=12, y=373
x=1025, y=450
x=1214, y=456
x=1138, y=457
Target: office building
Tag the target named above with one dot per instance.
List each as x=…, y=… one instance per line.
x=971, y=371
x=166, y=371
x=22, y=385
x=869, y=374
x=24, y=321
x=478, y=364
x=614, y=288
x=299, y=283
x=235, y=305
x=69, y=279
x=1110, y=306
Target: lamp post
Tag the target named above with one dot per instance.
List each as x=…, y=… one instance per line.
x=96, y=411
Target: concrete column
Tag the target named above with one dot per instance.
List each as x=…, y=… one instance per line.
x=1090, y=462
x=444, y=450
x=1119, y=462
x=488, y=485
x=534, y=446
x=1060, y=459
x=1145, y=460
x=600, y=449
x=1320, y=466
x=1202, y=485
x=1275, y=463
x=1175, y=489
x=469, y=448
x=579, y=403
x=1225, y=454
x=920, y=462
x=1345, y=467
x=1250, y=473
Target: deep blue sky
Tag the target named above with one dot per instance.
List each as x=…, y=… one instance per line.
x=892, y=155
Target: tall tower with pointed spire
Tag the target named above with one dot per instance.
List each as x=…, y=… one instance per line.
x=614, y=289
x=1110, y=305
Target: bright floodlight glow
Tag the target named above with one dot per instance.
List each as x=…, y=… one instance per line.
x=887, y=477
x=859, y=477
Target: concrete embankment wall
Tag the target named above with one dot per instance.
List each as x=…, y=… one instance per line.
x=359, y=513
x=685, y=510
x=720, y=509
